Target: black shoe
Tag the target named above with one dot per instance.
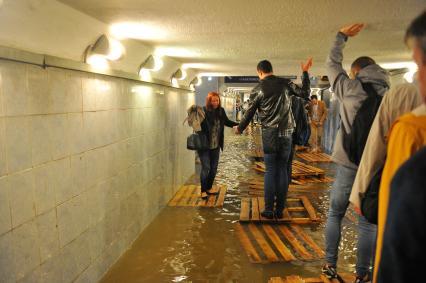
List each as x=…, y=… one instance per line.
x=267, y=214
x=279, y=214
x=364, y=279
x=329, y=271
x=210, y=192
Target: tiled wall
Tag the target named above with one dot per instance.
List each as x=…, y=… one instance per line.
x=86, y=162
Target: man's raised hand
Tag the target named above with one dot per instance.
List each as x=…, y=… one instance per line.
x=352, y=30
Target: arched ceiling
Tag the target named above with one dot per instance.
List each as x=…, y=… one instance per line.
x=231, y=36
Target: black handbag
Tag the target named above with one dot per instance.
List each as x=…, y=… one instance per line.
x=370, y=199
x=197, y=141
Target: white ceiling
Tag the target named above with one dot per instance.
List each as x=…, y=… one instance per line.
x=231, y=36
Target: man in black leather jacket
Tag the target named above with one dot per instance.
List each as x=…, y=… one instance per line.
x=271, y=99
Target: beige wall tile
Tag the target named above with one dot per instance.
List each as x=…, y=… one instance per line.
x=3, y=156
x=59, y=128
x=18, y=143
x=39, y=101
x=48, y=235
x=7, y=259
x=14, y=88
x=5, y=216
x=41, y=139
x=26, y=249
x=44, y=188
x=20, y=187
x=72, y=219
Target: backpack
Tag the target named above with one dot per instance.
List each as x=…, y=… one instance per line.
x=354, y=142
x=302, y=125
x=370, y=199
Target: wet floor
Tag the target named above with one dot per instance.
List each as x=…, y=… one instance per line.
x=190, y=244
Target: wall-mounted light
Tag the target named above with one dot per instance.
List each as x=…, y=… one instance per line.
x=196, y=82
x=178, y=75
x=152, y=63
x=103, y=50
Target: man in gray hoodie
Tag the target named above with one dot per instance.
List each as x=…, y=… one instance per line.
x=350, y=93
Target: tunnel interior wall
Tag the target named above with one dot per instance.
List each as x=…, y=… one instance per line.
x=86, y=162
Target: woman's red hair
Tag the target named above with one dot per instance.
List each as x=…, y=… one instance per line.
x=209, y=98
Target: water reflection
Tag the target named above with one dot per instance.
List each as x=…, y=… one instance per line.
x=199, y=244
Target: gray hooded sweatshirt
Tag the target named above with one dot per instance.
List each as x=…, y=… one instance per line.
x=350, y=92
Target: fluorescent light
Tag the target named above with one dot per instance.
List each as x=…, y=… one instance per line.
x=98, y=62
x=116, y=50
x=145, y=74
x=399, y=65
x=184, y=74
x=175, y=82
x=137, y=31
x=409, y=76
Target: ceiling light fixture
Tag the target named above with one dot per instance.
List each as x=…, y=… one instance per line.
x=103, y=49
x=197, y=81
x=152, y=63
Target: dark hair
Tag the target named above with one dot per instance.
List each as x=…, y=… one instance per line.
x=264, y=66
x=417, y=30
x=362, y=62
x=314, y=97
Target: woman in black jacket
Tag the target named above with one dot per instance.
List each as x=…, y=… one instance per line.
x=213, y=127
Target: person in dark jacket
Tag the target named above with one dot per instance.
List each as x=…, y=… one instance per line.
x=402, y=254
x=271, y=98
x=213, y=127
x=302, y=126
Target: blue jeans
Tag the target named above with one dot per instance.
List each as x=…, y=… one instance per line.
x=209, y=162
x=339, y=201
x=276, y=179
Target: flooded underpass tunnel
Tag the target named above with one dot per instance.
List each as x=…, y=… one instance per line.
x=199, y=244
x=115, y=115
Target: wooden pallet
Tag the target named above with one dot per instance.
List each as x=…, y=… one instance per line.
x=345, y=278
x=314, y=156
x=189, y=195
x=266, y=243
x=252, y=207
x=301, y=173
x=257, y=154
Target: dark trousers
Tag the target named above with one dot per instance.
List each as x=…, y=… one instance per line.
x=209, y=162
x=276, y=179
x=289, y=163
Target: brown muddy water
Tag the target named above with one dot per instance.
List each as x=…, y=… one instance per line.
x=190, y=244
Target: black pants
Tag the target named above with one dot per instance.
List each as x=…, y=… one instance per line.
x=289, y=164
x=209, y=162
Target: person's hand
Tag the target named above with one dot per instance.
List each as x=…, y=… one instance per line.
x=305, y=67
x=236, y=130
x=353, y=29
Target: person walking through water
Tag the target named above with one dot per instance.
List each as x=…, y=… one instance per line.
x=213, y=127
x=271, y=98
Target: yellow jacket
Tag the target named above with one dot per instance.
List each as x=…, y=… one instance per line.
x=407, y=135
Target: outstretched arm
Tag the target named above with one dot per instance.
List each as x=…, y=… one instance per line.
x=305, y=90
x=338, y=77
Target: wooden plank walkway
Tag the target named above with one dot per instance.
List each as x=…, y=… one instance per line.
x=264, y=243
x=252, y=207
x=314, y=156
x=344, y=277
x=299, y=169
x=189, y=195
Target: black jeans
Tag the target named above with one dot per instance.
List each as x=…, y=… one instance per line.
x=209, y=162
